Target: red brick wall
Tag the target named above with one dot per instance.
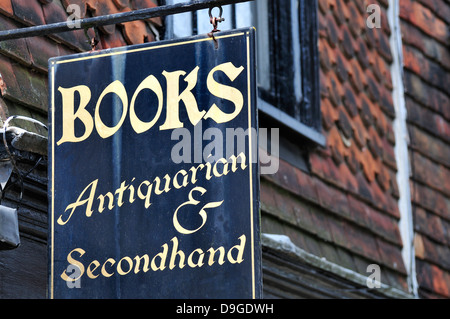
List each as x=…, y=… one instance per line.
x=425, y=31
x=346, y=209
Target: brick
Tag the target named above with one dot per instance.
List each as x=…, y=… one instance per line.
x=121, y=4
x=384, y=47
x=6, y=8
x=364, y=189
x=357, y=19
x=393, y=184
x=105, y=7
x=305, y=186
x=374, y=143
x=366, y=111
x=347, y=43
x=338, y=13
x=383, y=179
x=359, y=132
x=427, y=94
x=361, y=242
x=360, y=212
x=391, y=256
x=423, y=18
x=350, y=100
x=324, y=56
x=440, y=8
x=428, y=120
x=357, y=76
x=16, y=49
x=431, y=72
x=135, y=32
x=10, y=88
x=331, y=198
x=419, y=249
x=29, y=11
x=336, y=146
x=332, y=32
x=385, y=225
x=285, y=207
x=372, y=88
x=334, y=89
x=363, y=55
x=427, y=45
x=330, y=114
x=428, y=145
x=429, y=224
x=113, y=40
x=352, y=159
x=41, y=49
x=33, y=88
x=381, y=124
x=344, y=124
x=386, y=102
x=433, y=278
x=434, y=175
x=430, y=199
x=341, y=67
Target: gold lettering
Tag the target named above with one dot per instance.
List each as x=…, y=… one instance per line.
x=158, y=183
x=174, y=254
x=240, y=251
x=101, y=198
x=200, y=258
x=185, y=179
x=212, y=253
x=119, y=266
x=152, y=84
x=224, y=92
x=117, y=88
x=225, y=167
x=202, y=211
x=74, y=262
x=90, y=270
x=69, y=115
x=138, y=259
x=79, y=202
x=104, y=272
x=162, y=256
x=174, y=97
x=147, y=195
x=234, y=162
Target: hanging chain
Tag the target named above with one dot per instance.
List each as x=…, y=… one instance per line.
x=215, y=21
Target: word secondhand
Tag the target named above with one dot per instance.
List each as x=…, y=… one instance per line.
x=82, y=94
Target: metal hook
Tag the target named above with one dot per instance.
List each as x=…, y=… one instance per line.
x=215, y=21
x=92, y=41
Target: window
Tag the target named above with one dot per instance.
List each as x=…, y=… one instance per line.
x=287, y=57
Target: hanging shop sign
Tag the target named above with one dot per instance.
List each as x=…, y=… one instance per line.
x=153, y=187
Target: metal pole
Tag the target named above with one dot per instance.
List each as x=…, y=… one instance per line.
x=114, y=18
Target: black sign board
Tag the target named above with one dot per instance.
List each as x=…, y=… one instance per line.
x=153, y=187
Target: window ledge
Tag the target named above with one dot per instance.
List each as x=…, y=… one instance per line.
x=291, y=123
x=284, y=246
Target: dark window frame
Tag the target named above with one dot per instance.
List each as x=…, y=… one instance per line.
x=299, y=121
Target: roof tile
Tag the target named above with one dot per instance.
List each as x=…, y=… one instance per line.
x=29, y=11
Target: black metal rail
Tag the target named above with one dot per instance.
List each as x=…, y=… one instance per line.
x=141, y=14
